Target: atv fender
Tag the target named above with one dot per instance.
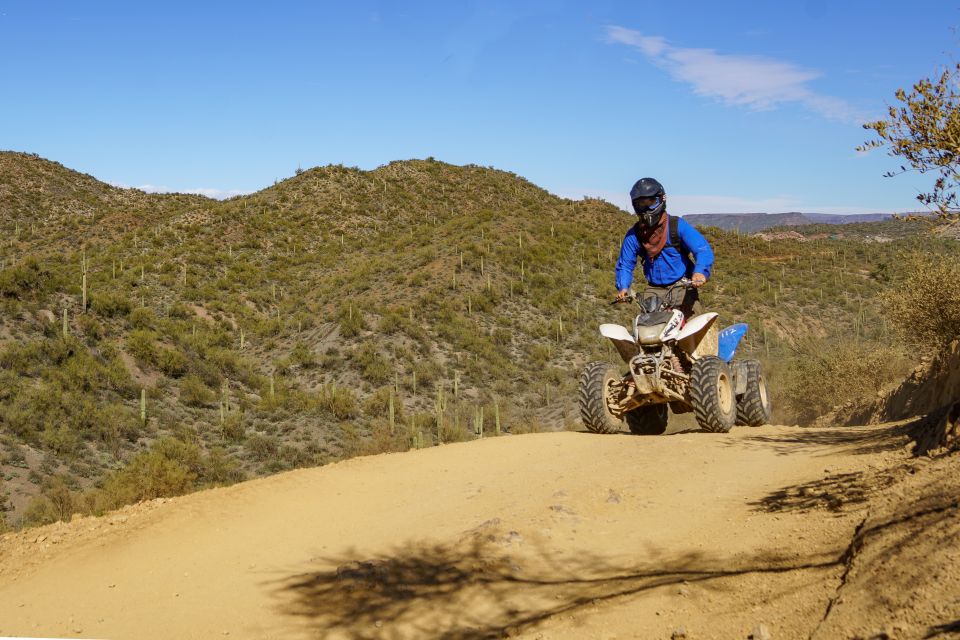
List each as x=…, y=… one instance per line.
x=694, y=339
x=621, y=339
x=729, y=340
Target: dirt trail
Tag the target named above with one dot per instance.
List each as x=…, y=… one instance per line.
x=560, y=535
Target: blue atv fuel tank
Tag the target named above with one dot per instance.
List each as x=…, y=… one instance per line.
x=729, y=340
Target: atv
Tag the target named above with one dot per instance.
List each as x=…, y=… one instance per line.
x=672, y=361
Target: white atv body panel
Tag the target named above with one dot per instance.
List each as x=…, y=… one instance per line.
x=626, y=346
x=615, y=332
x=697, y=323
x=692, y=338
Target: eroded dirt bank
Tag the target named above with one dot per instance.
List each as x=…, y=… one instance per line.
x=825, y=533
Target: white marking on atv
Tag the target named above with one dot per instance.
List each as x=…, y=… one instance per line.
x=673, y=326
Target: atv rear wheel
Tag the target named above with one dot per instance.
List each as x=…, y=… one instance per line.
x=595, y=392
x=712, y=394
x=753, y=405
x=650, y=420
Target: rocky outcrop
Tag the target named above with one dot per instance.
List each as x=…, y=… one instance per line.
x=937, y=431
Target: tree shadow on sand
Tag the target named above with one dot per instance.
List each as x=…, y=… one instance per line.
x=949, y=628
x=896, y=550
x=474, y=591
x=483, y=587
x=835, y=492
x=847, y=440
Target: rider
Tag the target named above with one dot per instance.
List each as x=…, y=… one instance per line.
x=665, y=243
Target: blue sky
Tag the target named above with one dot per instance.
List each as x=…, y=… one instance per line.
x=734, y=106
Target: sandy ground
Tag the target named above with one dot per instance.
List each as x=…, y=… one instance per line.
x=559, y=535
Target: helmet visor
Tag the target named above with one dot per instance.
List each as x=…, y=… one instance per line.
x=646, y=205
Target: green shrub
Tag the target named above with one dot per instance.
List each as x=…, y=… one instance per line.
x=27, y=278
x=302, y=355
x=924, y=306
x=116, y=423
x=55, y=502
x=194, y=392
x=339, y=401
x=171, y=361
x=229, y=363
x=110, y=303
x=207, y=371
x=373, y=366
x=142, y=345
x=233, y=428
x=390, y=322
x=169, y=468
x=428, y=372
x=377, y=404
x=180, y=311
x=93, y=330
x=351, y=321
x=142, y=318
x=261, y=447
x=822, y=374
x=381, y=440
x=221, y=469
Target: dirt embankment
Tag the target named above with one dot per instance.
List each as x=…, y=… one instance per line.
x=811, y=533
x=932, y=390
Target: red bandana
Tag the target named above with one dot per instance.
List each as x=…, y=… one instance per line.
x=654, y=239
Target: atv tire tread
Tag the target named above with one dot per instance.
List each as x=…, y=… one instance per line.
x=705, y=395
x=650, y=420
x=751, y=409
x=593, y=409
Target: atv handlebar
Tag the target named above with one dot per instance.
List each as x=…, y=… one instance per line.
x=682, y=283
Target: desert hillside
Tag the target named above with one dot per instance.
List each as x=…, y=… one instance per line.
x=151, y=345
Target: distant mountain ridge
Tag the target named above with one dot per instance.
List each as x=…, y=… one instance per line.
x=752, y=222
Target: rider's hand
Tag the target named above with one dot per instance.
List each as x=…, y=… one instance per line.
x=622, y=294
x=698, y=280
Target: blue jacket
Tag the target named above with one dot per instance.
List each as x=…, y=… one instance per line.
x=670, y=265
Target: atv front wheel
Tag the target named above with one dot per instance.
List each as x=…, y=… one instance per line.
x=712, y=394
x=595, y=392
x=650, y=420
x=753, y=405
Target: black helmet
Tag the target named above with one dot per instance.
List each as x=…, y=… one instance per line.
x=649, y=203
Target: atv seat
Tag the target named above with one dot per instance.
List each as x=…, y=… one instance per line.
x=657, y=317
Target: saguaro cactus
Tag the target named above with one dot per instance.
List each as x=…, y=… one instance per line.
x=440, y=406
x=390, y=411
